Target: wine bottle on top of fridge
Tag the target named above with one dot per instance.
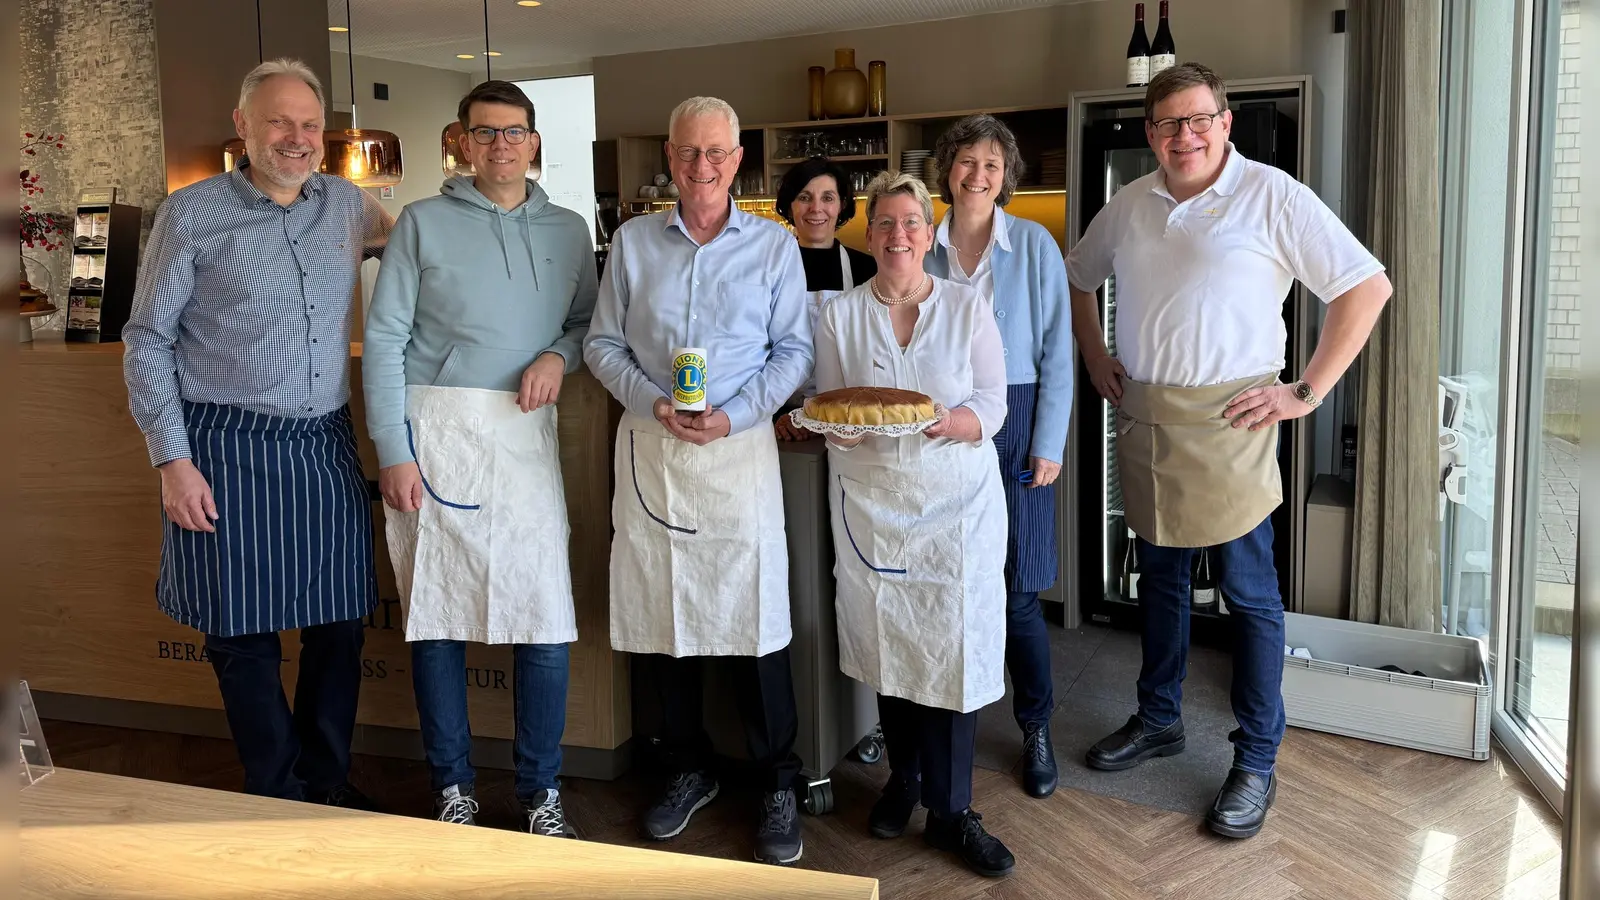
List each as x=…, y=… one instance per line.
x=1163, y=53
x=1138, y=51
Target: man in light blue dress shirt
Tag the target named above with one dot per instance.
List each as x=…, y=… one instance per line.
x=699, y=564
x=237, y=357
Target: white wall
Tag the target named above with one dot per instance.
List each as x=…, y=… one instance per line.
x=564, y=108
x=422, y=101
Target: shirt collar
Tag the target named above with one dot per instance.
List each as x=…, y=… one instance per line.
x=999, y=233
x=253, y=195
x=737, y=218
x=1227, y=180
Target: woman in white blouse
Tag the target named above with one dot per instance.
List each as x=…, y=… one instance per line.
x=919, y=522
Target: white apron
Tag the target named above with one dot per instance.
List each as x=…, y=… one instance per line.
x=815, y=301
x=699, y=563
x=919, y=551
x=485, y=557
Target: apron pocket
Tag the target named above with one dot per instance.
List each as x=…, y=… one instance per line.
x=876, y=532
x=450, y=456
x=647, y=462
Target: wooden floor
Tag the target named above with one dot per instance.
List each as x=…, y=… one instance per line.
x=1353, y=821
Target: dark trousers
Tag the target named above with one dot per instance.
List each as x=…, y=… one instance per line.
x=1028, y=659
x=764, y=690
x=1250, y=583
x=933, y=746
x=284, y=754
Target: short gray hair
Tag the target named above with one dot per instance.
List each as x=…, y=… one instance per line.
x=705, y=106
x=978, y=129
x=281, y=66
x=890, y=183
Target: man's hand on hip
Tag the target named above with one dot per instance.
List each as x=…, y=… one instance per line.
x=401, y=486
x=1106, y=374
x=186, y=496
x=1264, y=407
x=541, y=382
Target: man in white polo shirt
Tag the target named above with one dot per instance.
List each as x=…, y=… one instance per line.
x=1204, y=250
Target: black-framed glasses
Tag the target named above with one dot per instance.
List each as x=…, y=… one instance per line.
x=714, y=155
x=1199, y=123
x=516, y=134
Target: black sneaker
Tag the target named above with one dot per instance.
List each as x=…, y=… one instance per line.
x=892, y=812
x=778, y=838
x=545, y=815
x=456, y=805
x=684, y=797
x=345, y=796
x=964, y=836
x=1038, y=761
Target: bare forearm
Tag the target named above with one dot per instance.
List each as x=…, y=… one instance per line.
x=1086, y=324
x=1351, y=317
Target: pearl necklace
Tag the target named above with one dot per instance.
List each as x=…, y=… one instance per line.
x=896, y=301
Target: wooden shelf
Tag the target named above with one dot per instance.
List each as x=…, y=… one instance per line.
x=874, y=157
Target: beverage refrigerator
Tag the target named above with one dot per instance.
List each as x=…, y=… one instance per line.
x=1108, y=150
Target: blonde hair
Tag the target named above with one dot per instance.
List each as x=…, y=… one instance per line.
x=889, y=183
x=281, y=66
x=705, y=106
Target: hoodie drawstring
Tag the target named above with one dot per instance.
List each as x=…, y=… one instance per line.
x=500, y=229
x=527, y=238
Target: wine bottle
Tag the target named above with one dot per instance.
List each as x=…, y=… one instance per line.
x=1130, y=568
x=1203, y=583
x=1138, y=51
x=1163, y=54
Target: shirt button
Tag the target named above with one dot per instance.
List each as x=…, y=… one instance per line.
x=694, y=318
x=313, y=306
x=1000, y=314
x=316, y=374
x=313, y=340
x=1005, y=352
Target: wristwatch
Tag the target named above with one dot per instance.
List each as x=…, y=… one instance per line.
x=1304, y=393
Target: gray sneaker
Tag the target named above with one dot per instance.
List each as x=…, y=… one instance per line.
x=456, y=805
x=546, y=817
x=684, y=797
x=778, y=838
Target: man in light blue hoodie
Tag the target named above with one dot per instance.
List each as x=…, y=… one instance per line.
x=481, y=307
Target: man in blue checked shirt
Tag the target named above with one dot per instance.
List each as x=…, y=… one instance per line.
x=237, y=358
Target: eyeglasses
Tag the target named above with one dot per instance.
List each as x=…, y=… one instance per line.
x=516, y=134
x=1199, y=123
x=885, y=224
x=714, y=155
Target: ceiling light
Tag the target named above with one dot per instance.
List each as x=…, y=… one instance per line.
x=339, y=28
x=529, y=3
x=492, y=53
x=465, y=56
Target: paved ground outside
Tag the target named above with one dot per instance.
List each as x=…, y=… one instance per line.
x=1558, y=512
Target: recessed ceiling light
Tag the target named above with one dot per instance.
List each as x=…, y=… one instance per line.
x=492, y=53
x=465, y=56
x=527, y=2
x=339, y=28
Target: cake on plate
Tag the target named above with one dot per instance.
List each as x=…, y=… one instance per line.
x=869, y=406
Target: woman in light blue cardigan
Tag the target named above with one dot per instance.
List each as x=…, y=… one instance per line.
x=1018, y=266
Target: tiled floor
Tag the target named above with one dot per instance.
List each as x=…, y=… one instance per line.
x=1558, y=512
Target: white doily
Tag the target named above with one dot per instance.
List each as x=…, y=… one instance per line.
x=798, y=417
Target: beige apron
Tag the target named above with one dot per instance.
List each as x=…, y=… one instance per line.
x=1189, y=478
x=699, y=561
x=485, y=557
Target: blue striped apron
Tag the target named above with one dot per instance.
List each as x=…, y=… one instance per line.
x=1030, y=511
x=293, y=541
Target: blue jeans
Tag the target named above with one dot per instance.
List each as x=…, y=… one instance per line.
x=1028, y=659
x=1250, y=581
x=539, y=694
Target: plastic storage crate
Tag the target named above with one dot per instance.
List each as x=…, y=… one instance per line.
x=1343, y=690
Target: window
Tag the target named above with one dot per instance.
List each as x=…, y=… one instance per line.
x=565, y=111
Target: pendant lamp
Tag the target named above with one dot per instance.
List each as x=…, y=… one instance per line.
x=452, y=158
x=369, y=157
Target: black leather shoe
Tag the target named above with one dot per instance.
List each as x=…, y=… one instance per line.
x=892, y=812
x=1038, y=761
x=1133, y=744
x=1241, y=806
x=965, y=836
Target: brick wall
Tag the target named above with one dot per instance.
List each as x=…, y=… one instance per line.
x=88, y=69
x=1561, y=336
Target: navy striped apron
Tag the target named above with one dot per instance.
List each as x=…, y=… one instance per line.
x=1030, y=511
x=293, y=541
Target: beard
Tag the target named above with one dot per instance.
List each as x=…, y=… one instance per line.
x=278, y=170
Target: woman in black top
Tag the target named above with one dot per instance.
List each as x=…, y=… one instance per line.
x=815, y=199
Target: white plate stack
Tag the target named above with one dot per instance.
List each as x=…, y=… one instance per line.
x=919, y=164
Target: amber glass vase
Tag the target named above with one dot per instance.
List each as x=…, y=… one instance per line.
x=818, y=76
x=845, y=91
x=877, y=86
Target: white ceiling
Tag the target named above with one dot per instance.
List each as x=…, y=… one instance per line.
x=565, y=32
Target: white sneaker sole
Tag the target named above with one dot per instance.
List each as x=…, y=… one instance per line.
x=699, y=805
x=784, y=862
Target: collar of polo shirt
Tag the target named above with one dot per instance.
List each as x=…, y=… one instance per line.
x=1227, y=182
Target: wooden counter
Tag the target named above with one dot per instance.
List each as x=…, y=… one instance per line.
x=104, y=836
x=91, y=511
